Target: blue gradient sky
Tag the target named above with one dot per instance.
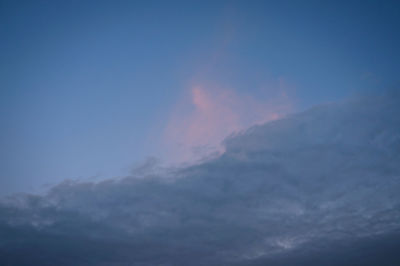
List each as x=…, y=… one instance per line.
x=87, y=87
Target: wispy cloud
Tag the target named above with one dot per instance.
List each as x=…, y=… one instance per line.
x=204, y=117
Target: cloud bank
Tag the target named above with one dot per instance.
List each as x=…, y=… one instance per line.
x=316, y=188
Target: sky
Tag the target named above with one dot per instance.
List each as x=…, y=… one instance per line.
x=140, y=129
x=93, y=88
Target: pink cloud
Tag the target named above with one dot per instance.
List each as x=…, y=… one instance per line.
x=202, y=119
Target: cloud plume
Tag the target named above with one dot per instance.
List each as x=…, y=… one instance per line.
x=206, y=116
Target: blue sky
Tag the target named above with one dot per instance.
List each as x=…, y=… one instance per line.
x=199, y=133
x=89, y=87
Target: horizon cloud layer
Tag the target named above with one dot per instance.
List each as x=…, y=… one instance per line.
x=318, y=186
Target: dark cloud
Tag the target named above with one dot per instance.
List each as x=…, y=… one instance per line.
x=316, y=188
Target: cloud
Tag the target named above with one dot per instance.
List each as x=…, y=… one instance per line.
x=319, y=187
x=201, y=121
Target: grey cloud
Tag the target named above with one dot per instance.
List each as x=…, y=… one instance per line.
x=316, y=185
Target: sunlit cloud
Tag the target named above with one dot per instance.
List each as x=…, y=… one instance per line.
x=206, y=115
